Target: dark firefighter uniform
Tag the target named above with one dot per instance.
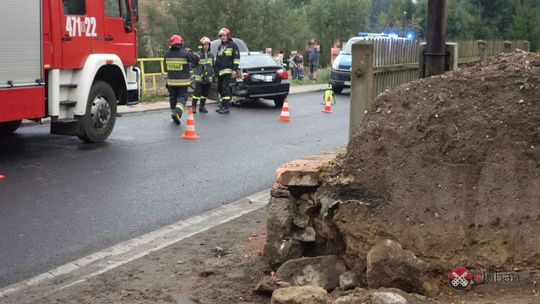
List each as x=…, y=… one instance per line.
x=177, y=61
x=227, y=61
x=203, y=80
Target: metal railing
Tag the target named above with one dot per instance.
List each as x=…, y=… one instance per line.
x=153, y=75
x=381, y=64
x=471, y=51
x=395, y=62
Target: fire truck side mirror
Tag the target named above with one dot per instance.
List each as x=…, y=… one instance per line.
x=135, y=10
x=128, y=27
x=128, y=22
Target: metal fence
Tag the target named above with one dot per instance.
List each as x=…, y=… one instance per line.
x=381, y=64
x=522, y=45
x=472, y=51
x=153, y=75
x=394, y=62
x=468, y=51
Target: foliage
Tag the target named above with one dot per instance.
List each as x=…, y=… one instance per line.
x=526, y=20
x=524, y=83
x=289, y=24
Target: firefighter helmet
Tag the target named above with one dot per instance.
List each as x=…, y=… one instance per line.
x=225, y=31
x=204, y=40
x=176, y=39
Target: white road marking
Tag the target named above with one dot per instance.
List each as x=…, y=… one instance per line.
x=100, y=262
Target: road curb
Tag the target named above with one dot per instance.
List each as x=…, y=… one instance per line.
x=164, y=105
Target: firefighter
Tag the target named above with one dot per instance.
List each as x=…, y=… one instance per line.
x=177, y=61
x=203, y=75
x=227, y=61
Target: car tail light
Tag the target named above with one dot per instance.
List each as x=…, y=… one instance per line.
x=245, y=76
x=283, y=74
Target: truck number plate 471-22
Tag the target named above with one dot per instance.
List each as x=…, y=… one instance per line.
x=78, y=26
x=265, y=78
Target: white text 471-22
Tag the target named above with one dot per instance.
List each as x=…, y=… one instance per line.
x=78, y=26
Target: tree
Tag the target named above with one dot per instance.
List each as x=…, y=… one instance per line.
x=297, y=3
x=290, y=24
x=400, y=15
x=498, y=13
x=461, y=24
x=337, y=19
x=377, y=7
x=526, y=23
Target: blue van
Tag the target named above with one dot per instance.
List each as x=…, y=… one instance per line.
x=340, y=72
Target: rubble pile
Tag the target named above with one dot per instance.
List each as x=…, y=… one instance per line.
x=443, y=172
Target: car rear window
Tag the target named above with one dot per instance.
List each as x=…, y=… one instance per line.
x=252, y=61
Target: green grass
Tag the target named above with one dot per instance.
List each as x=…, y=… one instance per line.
x=323, y=75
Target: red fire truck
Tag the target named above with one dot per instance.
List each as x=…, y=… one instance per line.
x=70, y=60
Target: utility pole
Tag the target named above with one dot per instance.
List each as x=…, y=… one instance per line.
x=404, y=23
x=436, y=38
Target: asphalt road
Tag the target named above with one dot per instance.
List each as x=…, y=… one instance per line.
x=63, y=199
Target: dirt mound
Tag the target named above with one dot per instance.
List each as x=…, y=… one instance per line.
x=450, y=167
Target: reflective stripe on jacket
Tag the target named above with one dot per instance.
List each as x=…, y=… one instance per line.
x=205, y=69
x=177, y=61
x=228, y=58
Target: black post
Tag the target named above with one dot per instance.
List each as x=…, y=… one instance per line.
x=436, y=38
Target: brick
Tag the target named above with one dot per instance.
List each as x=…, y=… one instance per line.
x=300, y=173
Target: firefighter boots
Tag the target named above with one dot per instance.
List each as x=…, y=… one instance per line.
x=202, y=107
x=194, y=105
x=225, y=108
x=176, y=114
x=175, y=117
x=220, y=106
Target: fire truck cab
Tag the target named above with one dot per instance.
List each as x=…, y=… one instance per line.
x=70, y=60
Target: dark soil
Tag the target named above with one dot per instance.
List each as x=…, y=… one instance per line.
x=451, y=168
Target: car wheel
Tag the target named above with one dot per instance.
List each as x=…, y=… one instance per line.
x=9, y=127
x=278, y=101
x=98, y=121
x=337, y=89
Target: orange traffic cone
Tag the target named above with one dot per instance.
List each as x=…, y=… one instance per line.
x=189, y=133
x=328, y=105
x=285, y=112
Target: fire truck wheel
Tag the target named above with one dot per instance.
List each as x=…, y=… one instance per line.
x=9, y=127
x=98, y=122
